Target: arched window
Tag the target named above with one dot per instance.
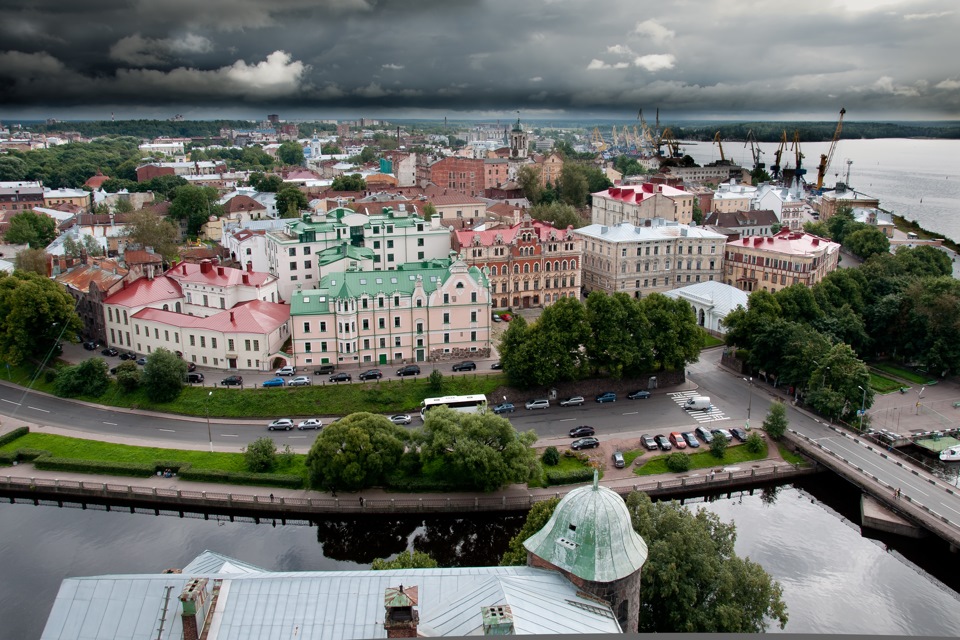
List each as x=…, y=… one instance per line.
x=556, y=265
x=546, y=266
x=536, y=267
x=573, y=264
x=516, y=268
x=564, y=265
x=493, y=270
x=526, y=267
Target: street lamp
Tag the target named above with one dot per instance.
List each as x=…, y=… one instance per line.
x=209, y=435
x=919, y=398
x=863, y=405
x=750, y=401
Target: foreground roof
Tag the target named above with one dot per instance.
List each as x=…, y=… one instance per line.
x=722, y=298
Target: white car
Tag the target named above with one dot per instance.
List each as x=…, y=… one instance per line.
x=286, y=371
x=283, y=423
x=401, y=418
x=310, y=423
x=574, y=401
x=299, y=381
x=538, y=404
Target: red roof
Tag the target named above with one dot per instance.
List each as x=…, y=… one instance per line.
x=242, y=203
x=488, y=238
x=96, y=180
x=208, y=273
x=797, y=243
x=640, y=192
x=255, y=316
x=145, y=291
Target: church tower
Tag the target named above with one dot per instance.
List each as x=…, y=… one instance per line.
x=591, y=541
x=518, y=141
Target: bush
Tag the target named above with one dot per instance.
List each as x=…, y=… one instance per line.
x=755, y=443
x=89, y=378
x=775, y=424
x=163, y=375
x=551, y=457
x=128, y=376
x=569, y=476
x=718, y=446
x=436, y=380
x=282, y=481
x=19, y=432
x=261, y=455
x=419, y=484
x=94, y=467
x=678, y=462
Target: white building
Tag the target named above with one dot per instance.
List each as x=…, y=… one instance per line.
x=788, y=204
x=640, y=202
x=711, y=301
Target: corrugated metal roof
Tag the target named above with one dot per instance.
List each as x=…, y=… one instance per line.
x=213, y=562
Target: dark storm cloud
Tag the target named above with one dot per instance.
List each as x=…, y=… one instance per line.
x=879, y=58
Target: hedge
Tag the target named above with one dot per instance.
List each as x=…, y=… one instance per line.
x=134, y=469
x=570, y=476
x=422, y=484
x=19, y=432
x=283, y=481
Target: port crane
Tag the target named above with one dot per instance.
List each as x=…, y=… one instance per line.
x=598, y=142
x=825, y=158
x=775, y=167
x=755, y=150
x=799, y=171
x=716, y=138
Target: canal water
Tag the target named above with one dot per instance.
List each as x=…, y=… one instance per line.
x=835, y=579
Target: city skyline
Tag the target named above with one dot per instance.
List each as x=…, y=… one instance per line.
x=475, y=59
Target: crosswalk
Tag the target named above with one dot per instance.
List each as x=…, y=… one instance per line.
x=713, y=414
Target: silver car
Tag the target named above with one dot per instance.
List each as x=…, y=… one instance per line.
x=538, y=404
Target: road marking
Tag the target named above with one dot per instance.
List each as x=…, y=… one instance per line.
x=229, y=435
x=566, y=419
x=111, y=423
x=631, y=413
x=167, y=430
x=11, y=402
x=37, y=409
x=297, y=437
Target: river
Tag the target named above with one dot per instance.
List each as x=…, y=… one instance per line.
x=918, y=179
x=835, y=580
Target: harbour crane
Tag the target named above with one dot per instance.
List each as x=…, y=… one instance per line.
x=716, y=139
x=598, y=141
x=799, y=171
x=825, y=158
x=775, y=167
x=755, y=150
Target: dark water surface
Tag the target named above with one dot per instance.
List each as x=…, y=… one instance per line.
x=834, y=579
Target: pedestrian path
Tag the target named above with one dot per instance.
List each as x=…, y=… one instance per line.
x=713, y=414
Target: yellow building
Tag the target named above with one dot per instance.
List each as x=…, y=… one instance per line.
x=771, y=263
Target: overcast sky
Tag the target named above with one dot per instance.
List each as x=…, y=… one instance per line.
x=757, y=59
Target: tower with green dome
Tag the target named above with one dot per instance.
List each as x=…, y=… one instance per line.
x=590, y=540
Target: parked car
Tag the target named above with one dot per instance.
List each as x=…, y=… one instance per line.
x=300, y=381
x=739, y=434
x=286, y=371
x=409, y=370
x=90, y=345
x=110, y=351
x=310, y=423
x=504, y=407
x=324, y=370
x=608, y=396
x=142, y=361
x=191, y=366
x=401, y=418
x=538, y=404
x=723, y=432
x=273, y=382
x=704, y=434
x=582, y=430
x=573, y=401
x=340, y=377
x=283, y=423
x=371, y=374
x=663, y=442
x=676, y=439
x=691, y=439
x=496, y=318
x=649, y=443
x=506, y=317
x=466, y=365
x=496, y=365
x=124, y=355
x=638, y=395
x=584, y=443
x=232, y=381
x=618, y=461
x=194, y=377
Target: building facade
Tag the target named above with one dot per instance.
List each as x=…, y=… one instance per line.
x=465, y=175
x=774, y=262
x=529, y=264
x=430, y=311
x=637, y=203
x=832, y=200
x=20, y=196
x=653, y=258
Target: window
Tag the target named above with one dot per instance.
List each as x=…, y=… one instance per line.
x=389, y=244
x=213, y=343
x=420, y=240
x=293, y=266
x=246, y=344
x=365, y=324
x=323, y=346
x=396, y=341
x=382, y=323
x=446, y=298
x=473, y=336
x=473, y=316
x=256, y=345
x=446, y=318
x=383, y=343
x=396, y=301
x=306, y=264
x=306, y=327
x=193, y=342
x=323, y=327
x=307, y=346
x=446, y=338
x=396, y=322
x=292, y=251
x=203, y=342
x=230, y=344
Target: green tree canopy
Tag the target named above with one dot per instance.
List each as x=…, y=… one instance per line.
x=352, y=182
x=677, y=339
x=866, y=242
x=476, y=450
x=32, y=261
x=291, y=201
x=619, y=335
x=406, y=560
x=149, y=230
x=163, y=375
x=775, y=424
x=290, y=153
x=260, y=456
x=265, y=183
x=89, y=378
x=537, y=518
x=195, y=205
x=36, y=312
x=559, y=215
x=34, y=229
x=528, y=179
x=355, y=452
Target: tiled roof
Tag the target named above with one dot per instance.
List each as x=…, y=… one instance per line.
x=797, y=243
x=145, y=291
x=141, y=257
x=736, y=219
x=543, y=230
x=106, y=274
x=242, y=203
x=208, y=273
x=640, y=192
x=254, y=316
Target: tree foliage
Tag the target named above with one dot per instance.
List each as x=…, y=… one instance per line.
x=406, y=560
x=36, y=313
x=88, y=378
x=775, y=424
x=265, y=183
x=149, y=230
x=355, y=452
x=352, y=182
x=260, y=456
x=195, y=205
x=475, y=450
x=291, y=201
x=32, y=261
x=537, y=518
x=718, y=445
x=528, y=179
x=559, y=215
x=163, y=375
x=678, y=462
x=30, y=228
x=866, y=242
x=290, y=153
x=128, y=376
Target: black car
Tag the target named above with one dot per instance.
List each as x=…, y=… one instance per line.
x=579, y=432
x=638, y=395
x=466, y=365
x=142, y=361
x=341, y=377
x=232, y=381
x=649, y=443
x=194, y=377
x=127, y=356
x=739, y=434
x=409, y=370
x=110, y=351
x=371, y=374
x=325, y=370
x=496, y=365
x=663, y=442
x=584, y=443
x=90, y=345
x=704, y=434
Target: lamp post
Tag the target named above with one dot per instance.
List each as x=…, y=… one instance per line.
x=749, y=381
x=863, y=405
x=919, y=398
x=209, y=434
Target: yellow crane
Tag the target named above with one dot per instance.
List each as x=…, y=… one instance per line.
x=598, y=141
x=825, y=158
x=716, y=138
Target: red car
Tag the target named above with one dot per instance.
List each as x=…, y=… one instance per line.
x=506, y=317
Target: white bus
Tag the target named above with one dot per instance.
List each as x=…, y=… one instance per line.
x=466, y=404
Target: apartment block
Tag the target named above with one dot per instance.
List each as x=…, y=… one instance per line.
x=636, y=203
x=774, y=262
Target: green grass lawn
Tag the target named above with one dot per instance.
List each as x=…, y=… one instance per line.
x=901, y=372
x=701, y=460
x=633, y=454
x=79, y=449
x=710, y=340
x=882, y=384
x=789, y=456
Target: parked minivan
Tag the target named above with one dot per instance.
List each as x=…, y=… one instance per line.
x=697, y=403
x=324, y=370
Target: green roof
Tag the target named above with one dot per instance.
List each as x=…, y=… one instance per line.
x=591, y=536
x=344, y=250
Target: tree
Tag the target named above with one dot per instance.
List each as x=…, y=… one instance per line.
x=264, y=183
x=290, y=201
x=290, y=153
x=260, y=456
x=163, y=375
x=678, y=462
x=149, y=230
x=556, y=343
x=37, y=312
x=718, y=446
x=528, y=179
x=574, y=186
x=759, y=175
x=537, y=518
x=34, y=229
x=429, y=210
x=195, y=205
x=697, y=212
x=867, y=242
x=619, y=335
x=89, y=378
x=330, y=149
x=406, y=560
x=515, y=353
x=675, y=335
x=476, y=450
x=435, y=380
x=32, y=261
x=550, y=457
x=775, y=424
x=91, y=246
x=352, y=182
x=123, y=205
x=755, y=443
x=355, y=452
x=12, y=169
x=559, y=215
x=691, y=559
x=128, y=376
x=818, y=228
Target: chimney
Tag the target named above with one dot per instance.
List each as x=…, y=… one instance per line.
x=231, y=317
x=183, y=268
x=195, y=603
x=249, y=266
x=401, y=618
x=219, y=271
x=205, y=267
x=246, y=278
x=497, y=621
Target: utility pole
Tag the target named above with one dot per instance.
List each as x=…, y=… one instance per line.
x=209, y=434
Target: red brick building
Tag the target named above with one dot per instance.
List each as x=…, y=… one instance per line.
x=465, y=175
